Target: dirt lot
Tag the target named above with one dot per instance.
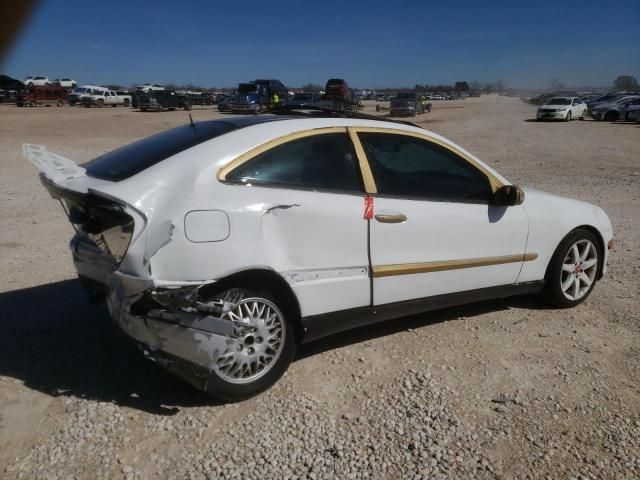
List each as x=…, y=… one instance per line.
x=502, y=389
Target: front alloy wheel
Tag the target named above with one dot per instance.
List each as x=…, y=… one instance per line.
x=573, y=269
x=579, y=269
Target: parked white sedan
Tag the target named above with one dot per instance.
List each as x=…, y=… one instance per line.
x=563, y=108
x=222, y=245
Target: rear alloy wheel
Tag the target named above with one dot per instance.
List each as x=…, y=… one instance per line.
x=260, y=351
x=573, y=270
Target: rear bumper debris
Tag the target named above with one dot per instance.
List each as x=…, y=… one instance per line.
x=171, y=323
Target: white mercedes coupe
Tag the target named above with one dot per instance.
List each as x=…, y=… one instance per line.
x=221, y=245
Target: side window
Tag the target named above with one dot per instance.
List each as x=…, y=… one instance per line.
x=411, y=167
x=324, y=161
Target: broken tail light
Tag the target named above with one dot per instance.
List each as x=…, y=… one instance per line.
x=102, y=222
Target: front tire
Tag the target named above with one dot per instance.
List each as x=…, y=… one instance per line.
x=260, y=352
x=611, y=116
x=568, y=117
x=573, y=270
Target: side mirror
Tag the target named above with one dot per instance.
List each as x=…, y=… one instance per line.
x=508, y=196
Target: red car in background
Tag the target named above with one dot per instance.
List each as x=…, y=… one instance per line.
x=42, y=95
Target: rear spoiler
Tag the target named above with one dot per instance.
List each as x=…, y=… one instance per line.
x=52, y=165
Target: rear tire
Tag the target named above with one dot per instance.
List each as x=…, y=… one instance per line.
x=260, y=353
x=573, y=270
x=611, y=116
x=584, y=115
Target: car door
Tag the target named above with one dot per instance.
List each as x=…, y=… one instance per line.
x=306, y=195
x=435, y=230
x=576, y=108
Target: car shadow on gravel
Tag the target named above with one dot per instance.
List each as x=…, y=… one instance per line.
x=55, y=342
x=389, y=327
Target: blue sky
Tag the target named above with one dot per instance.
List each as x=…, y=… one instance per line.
x=370, y=43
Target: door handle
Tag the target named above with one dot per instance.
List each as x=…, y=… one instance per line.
x=391, y=218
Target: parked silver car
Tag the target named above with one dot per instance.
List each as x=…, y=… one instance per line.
x=615, y=110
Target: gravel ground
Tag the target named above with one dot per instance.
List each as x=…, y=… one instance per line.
x=502, y=389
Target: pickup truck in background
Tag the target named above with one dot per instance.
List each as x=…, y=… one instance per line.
x=104, y=98
x=162, y=100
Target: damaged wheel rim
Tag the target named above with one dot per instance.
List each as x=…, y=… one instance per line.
x=257, y=344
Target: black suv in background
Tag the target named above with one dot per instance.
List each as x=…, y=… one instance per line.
x=162, y=100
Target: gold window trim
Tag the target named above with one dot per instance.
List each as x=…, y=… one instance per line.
x=365, y=168
x=494, y=181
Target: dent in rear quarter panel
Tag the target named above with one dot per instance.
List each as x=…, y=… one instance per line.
x=551, y=218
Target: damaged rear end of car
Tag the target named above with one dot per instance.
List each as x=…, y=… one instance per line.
x=118, y=231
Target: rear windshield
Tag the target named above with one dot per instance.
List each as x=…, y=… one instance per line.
x=135, y=157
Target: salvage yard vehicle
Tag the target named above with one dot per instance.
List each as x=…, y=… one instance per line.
x=159, y=100
x=339, y=95
x=257, y=96
x=615, y=110
x=562, y=108
x=105, y=98
x=149, y=86
x=79, y=92
x=221, y=245
x=633, y=115
x=632, y=112
x=302, y=99
x=42, y=95
x=67, y=83
x=32, y=81
x=406, y=103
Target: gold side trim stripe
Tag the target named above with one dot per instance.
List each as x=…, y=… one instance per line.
x=427, y=267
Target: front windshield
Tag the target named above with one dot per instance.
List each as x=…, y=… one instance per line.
x=80, y=90
x=560, y=101
x=405, y=96
x=247, y=88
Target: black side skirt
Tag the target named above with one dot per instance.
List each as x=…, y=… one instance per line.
x=318, y=326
